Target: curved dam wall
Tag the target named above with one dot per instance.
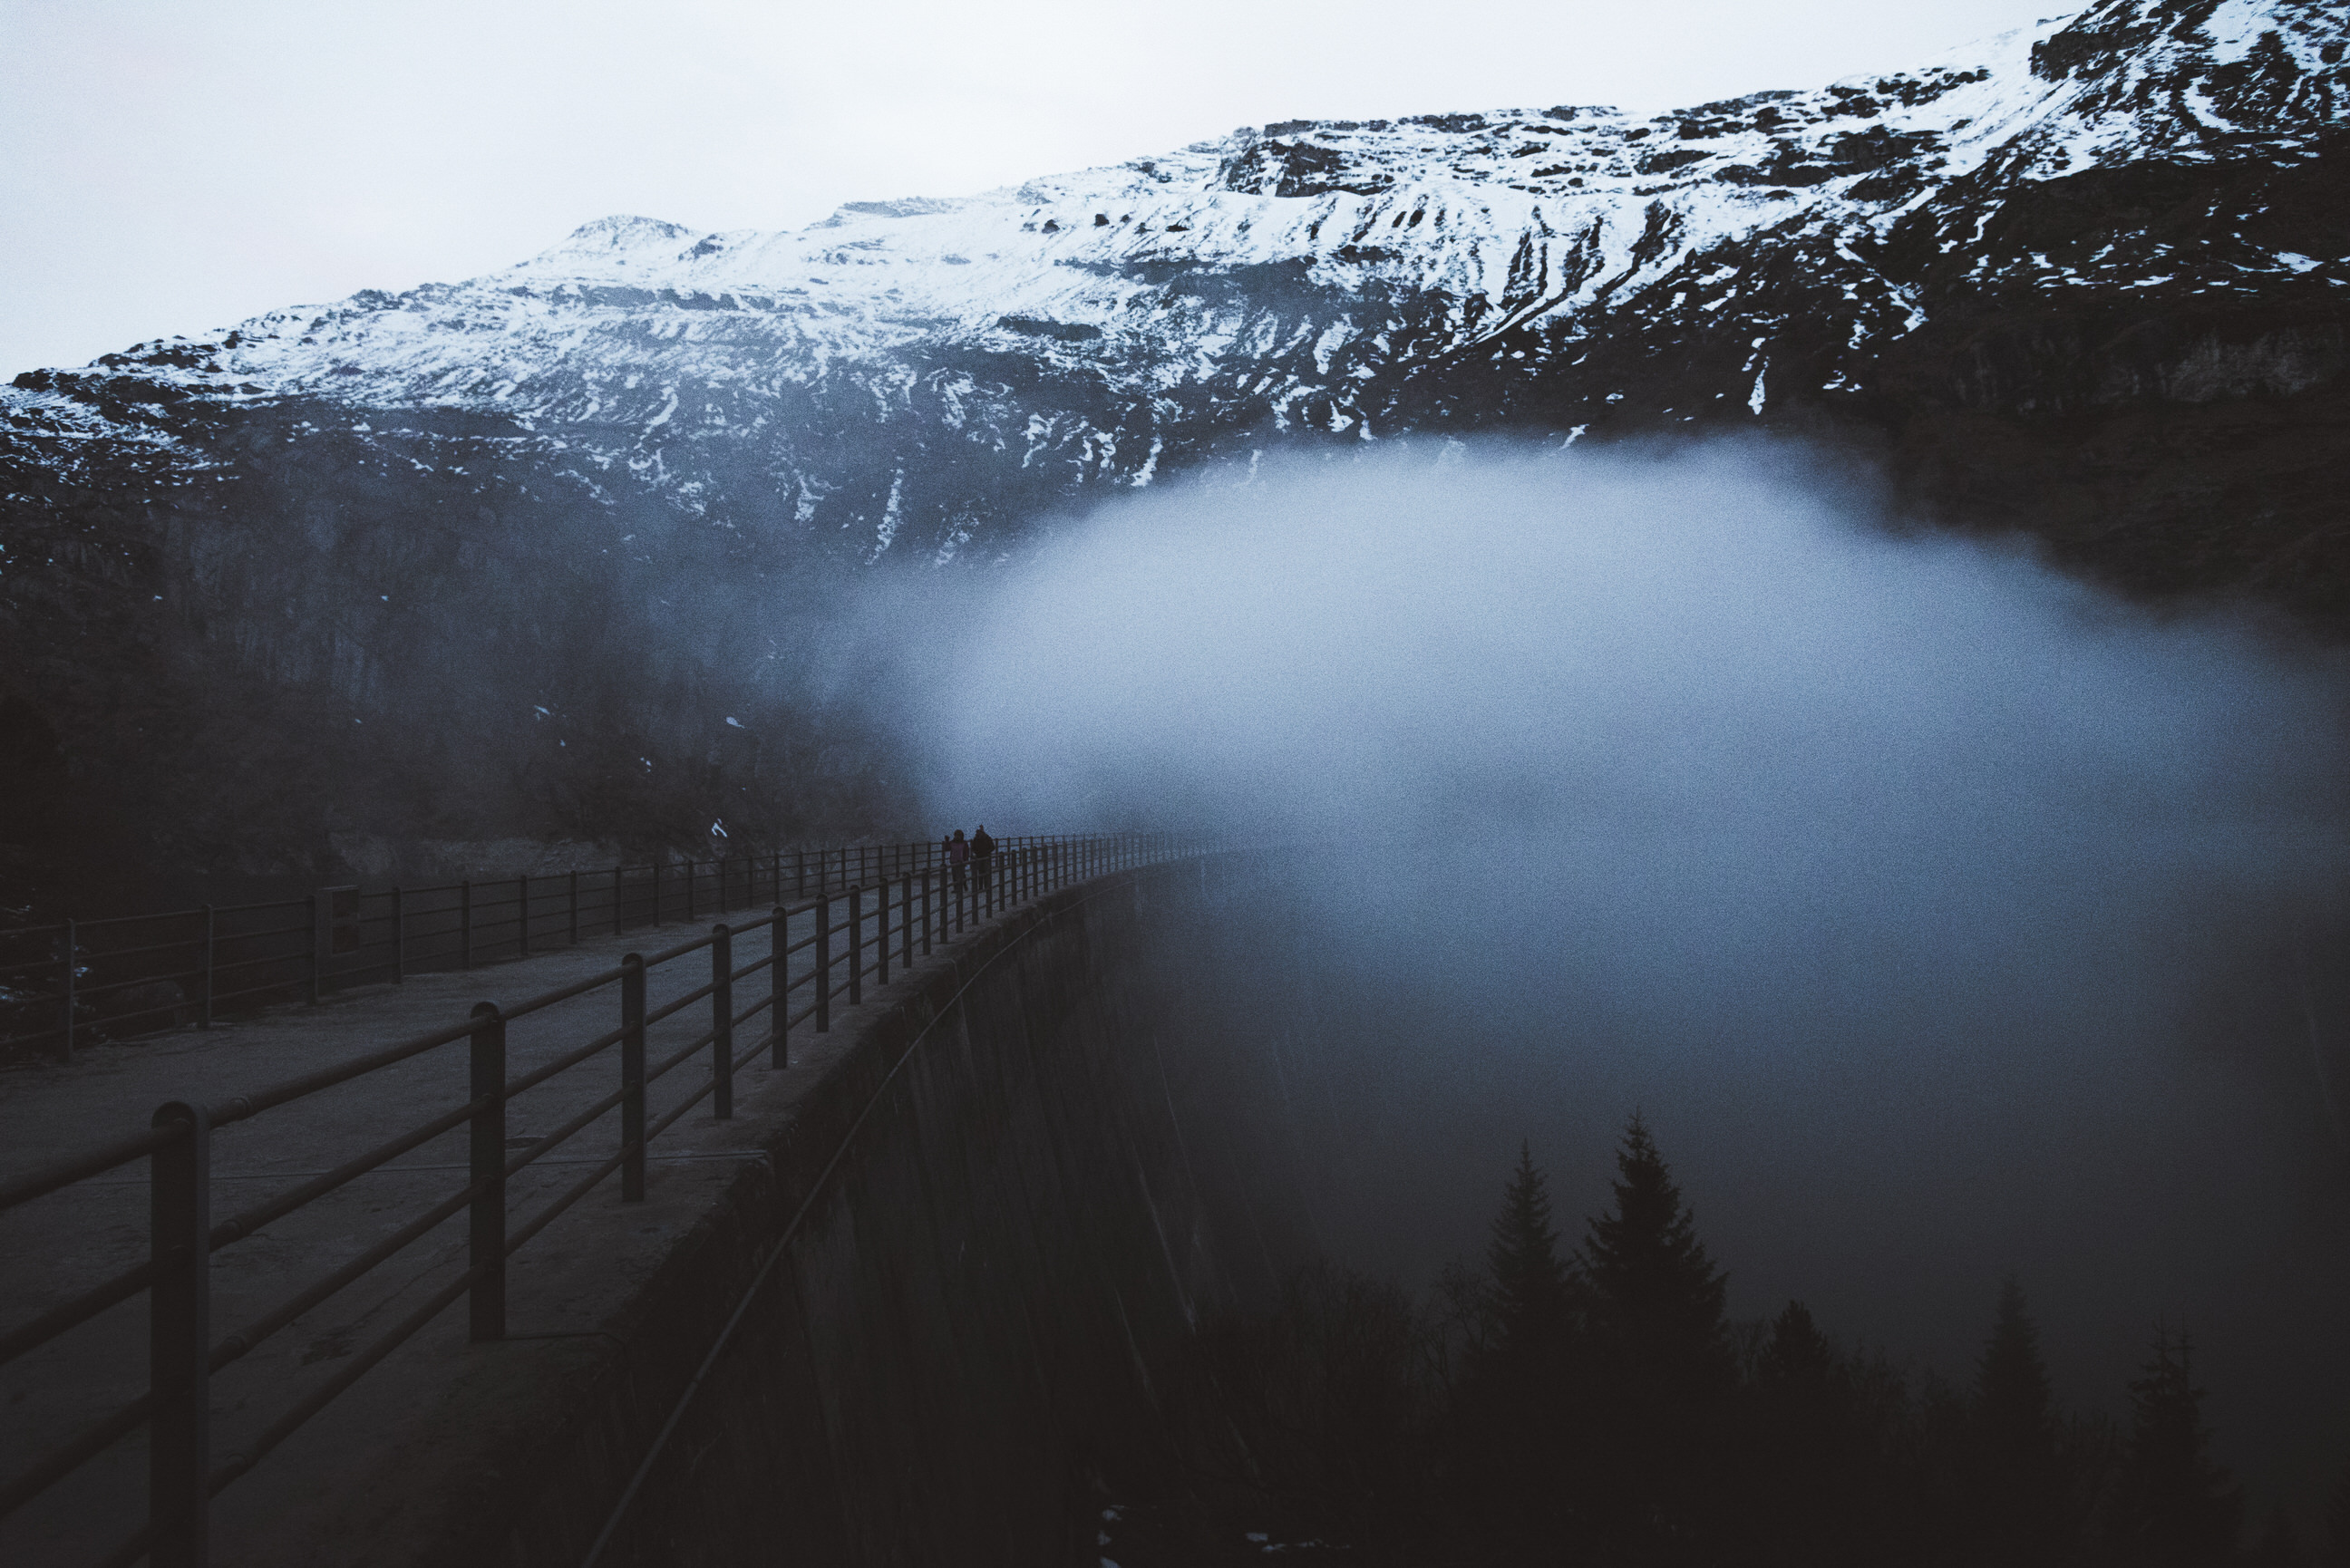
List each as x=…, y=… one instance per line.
x=1017, y=1186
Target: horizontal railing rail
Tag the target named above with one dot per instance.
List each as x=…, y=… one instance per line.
x=864, y=914
x=85, y=982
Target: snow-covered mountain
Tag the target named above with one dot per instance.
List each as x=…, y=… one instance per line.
x=2086, y=278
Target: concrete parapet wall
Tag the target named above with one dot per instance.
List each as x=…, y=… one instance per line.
x=1015, y=1185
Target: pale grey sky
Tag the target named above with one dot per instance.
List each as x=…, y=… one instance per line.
x=174, y=168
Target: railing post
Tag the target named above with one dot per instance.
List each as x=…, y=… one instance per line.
x=925, y=876
x=721, y=1018
x=823, y=957
x=522, y=915
x=881, y=923
x=906, y=920
x=399, y=939
x=779, y=994
x=465, y=925
x=179, y=1341
x=211, y=926
x=574, y=909
x=632, y=1078
x=855, y=944
x=486, y=1225
x=800, y=877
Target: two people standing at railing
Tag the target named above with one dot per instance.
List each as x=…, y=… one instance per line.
x=982, y=856
x=967, y=856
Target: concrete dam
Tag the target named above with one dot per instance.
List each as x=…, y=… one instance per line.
x=892, y=1284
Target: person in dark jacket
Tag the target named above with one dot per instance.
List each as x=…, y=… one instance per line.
x=958, y=858
x=983, y=855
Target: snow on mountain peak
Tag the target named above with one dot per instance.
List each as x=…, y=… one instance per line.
x=621, y=240
x=1300, y=243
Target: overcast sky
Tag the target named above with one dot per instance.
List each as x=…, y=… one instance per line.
x=174, y=168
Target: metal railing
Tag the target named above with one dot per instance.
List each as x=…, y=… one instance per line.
x=84, y=981
x=816, y=953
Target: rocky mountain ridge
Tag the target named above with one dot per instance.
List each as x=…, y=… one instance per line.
x=2084, y=280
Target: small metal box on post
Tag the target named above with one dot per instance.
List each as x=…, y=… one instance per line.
x=333, y=934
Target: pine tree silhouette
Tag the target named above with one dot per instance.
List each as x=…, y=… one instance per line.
x=1655, y=1293
x=1798, y=1355
x=1529, y=1283
x=2181, y=1508
x=1661, y=1373
x=2017, y=1482
x=1517, y=1410
x=1801, y=1459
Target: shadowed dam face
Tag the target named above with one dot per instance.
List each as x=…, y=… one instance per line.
x=1944, y=916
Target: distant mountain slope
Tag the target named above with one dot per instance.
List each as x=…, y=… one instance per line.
x=2087, y=280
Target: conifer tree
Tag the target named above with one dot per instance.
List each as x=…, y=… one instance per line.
x=2181, y=1508
x=1517, y=1414
x=1797, y=1355
x=2017, y=1478
x=1654, y=1290
x=1799, y=1469
x=1661, y=1372
x=1529, y=1283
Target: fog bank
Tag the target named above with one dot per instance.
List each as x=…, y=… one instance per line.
x=1944, y=916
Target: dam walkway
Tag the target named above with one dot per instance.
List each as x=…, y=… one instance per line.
x=256, y=1249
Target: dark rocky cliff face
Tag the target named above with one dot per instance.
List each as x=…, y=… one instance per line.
x=563, y=551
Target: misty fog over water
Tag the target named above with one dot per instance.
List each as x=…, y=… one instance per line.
x=1944, y=916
